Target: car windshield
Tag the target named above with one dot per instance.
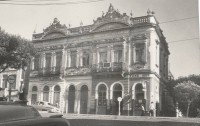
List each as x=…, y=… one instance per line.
x=17, y=112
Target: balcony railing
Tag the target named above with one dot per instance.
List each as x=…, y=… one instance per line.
x=47, y=71
x=107, y=67
x=81, y=70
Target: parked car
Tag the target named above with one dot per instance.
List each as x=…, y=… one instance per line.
x=16, y=114
x=46, y=106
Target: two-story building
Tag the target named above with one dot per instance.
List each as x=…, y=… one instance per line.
x=85, y=69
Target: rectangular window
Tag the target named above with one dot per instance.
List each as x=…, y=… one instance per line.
x=118, y=56
x=58, y=59
x=103, y=57
x=48, y=60
x=73, y=58
x=139, y=53
x=86, y=58
x=36, y=63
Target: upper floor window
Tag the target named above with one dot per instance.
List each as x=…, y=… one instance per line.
x=36, y=62
x=86, y=58
x=58, y=59
x=139, y=53
x=103, y=57
x=48, y=60
x=118, y=56
x=73, y=56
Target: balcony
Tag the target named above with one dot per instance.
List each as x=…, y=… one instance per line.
x=145, y=19
x=78, y=71
x=48, y=71
x=107, y=67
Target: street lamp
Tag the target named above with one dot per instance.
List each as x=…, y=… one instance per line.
x=119, y=99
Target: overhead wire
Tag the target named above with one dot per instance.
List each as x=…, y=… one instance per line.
x=52, y=3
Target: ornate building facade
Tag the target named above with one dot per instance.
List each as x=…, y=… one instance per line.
x=85, y=69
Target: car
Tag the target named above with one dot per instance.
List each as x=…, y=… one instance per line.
x=46, y=106
x=17, y=114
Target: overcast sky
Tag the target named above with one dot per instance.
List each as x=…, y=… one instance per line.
x=178, y=20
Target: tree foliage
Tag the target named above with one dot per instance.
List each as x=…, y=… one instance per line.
x=15, y=52
x=186, y=93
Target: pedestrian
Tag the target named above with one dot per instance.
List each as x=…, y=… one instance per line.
x=143, y=110
x=151, y=109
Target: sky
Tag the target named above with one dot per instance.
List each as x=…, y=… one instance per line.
x=179, y=20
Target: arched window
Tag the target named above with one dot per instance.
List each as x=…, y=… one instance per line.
x=56, y=98
x=139, y=94
x=71, y=99
x=102, y=95
x=46, y=93
x=34, y=95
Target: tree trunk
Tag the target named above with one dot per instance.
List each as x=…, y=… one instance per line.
x=188, y=107
x=26, y=83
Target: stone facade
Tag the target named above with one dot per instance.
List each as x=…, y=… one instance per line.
x=85, y=69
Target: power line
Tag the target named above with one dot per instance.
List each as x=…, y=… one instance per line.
x=61, y=3
x=171, y=42
x=178, y=20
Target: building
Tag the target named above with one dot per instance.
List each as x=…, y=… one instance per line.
x=85, y=69
x=16, y=87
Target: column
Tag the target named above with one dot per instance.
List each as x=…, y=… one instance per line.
x=66, y=59
x=77, y=57
x=43, y=62
x=124, y=50
x=109, y=53
x=130, y=53
x=81, y=57
x=98, y=55
x=63, y=58
x=134, y=53
x=32, y=63
x=112, y=52
x=69, y=58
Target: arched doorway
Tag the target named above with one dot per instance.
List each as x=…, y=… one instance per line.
x=102, y=99
x=71, y=99
x=34, y=95
x=117, y=92
x=139, y=96
x=46, y=93
x=56, y=98
x=84, y=99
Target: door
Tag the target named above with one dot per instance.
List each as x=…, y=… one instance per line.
x=71, y=99
x=84, y=99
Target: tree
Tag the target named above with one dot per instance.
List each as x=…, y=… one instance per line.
x=15, y=52
x=186, y=93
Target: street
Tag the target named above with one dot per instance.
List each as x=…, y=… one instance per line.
x=109, y=120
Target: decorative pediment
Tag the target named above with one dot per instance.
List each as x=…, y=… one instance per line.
x=53, y=35
x=110, y=26
x=55, y=30
x=112, y=15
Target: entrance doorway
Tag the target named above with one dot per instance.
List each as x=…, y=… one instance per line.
x=84, y=99
x=117, y=92
x=34, y=95
x=102, y=99
x=71, y=99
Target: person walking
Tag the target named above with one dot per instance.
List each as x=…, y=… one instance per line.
x=151, y=109
x=143, y=110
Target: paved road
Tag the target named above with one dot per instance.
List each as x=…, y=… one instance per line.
x=108, y=120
